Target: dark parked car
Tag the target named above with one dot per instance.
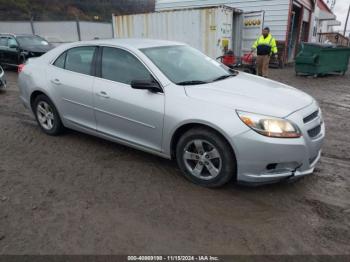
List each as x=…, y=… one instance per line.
x=2, y=79
x=16, y=49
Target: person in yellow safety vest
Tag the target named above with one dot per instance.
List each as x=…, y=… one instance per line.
x=265, y=46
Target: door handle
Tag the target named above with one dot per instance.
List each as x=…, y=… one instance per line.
x=103, y=94
x=56, y=81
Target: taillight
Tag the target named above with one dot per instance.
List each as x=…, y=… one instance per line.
x=20, y=68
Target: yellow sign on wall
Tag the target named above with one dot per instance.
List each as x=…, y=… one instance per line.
x=225, y=43
x=255, y=22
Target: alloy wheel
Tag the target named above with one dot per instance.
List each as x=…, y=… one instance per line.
x=202, y=159
x=45, y=115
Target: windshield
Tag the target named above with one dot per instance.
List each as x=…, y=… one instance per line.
x=186, y=65
x=31, y=41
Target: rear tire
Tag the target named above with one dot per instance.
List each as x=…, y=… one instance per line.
x=47, y=116
x=205, y=158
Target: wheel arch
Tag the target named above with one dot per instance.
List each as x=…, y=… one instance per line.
x=187, y=126
x=35, y=94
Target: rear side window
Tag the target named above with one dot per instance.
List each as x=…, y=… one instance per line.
x=61, y=60
x=121, y=66
x=79, y=59
x=3, y=41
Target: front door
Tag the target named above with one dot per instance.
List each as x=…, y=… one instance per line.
x=131, y=115
x=294, y=30
x=71, y=79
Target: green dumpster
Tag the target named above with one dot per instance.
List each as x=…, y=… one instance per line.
x=320, y=59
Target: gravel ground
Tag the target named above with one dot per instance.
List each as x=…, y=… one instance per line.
x=77, y=194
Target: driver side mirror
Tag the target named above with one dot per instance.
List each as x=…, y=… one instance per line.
x=150, y=85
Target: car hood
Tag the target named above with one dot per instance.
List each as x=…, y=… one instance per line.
x=38, y=48
x=253, y=94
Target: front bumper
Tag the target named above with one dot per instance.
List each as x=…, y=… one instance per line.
x=262, y=159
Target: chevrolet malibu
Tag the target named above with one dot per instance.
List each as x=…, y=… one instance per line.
x=171, y=100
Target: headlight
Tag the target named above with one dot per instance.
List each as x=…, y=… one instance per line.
x=270, y=126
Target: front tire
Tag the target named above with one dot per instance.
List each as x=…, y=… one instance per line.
x=47, y=116
x=205, y=158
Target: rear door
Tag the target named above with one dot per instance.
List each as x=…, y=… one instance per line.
x=8, y=55
x=71, y=79
x=253, y=23
x=9, y=50
x=128, y=114
x=3, y=49
x=13, y=51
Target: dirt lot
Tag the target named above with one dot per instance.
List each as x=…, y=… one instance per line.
x=77, y=194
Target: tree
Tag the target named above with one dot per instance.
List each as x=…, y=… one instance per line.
x=68, y=9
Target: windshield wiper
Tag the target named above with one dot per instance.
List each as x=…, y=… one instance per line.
x=192, y=82
x=232, y=73
x=223, y=77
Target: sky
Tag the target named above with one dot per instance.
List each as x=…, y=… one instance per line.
x=340, y=10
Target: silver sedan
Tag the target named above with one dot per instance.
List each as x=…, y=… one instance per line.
x=169, y=99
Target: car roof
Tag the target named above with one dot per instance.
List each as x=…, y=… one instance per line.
x=137, y=43
x=15, y=35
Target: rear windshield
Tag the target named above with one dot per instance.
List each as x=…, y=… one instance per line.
x=31, y=41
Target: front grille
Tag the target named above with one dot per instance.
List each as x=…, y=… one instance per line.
x=314, y=131
x=311, y=117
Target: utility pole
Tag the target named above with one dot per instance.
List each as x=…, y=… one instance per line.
x=78, y=27
x=32, y=25
x=346, y=22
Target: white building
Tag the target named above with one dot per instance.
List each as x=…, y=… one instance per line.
x=289, y=20
x=323, y=22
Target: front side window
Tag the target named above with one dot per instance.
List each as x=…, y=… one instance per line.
x=12, y=42
x=79, y=59
x=121, y=66
x=184, y=64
